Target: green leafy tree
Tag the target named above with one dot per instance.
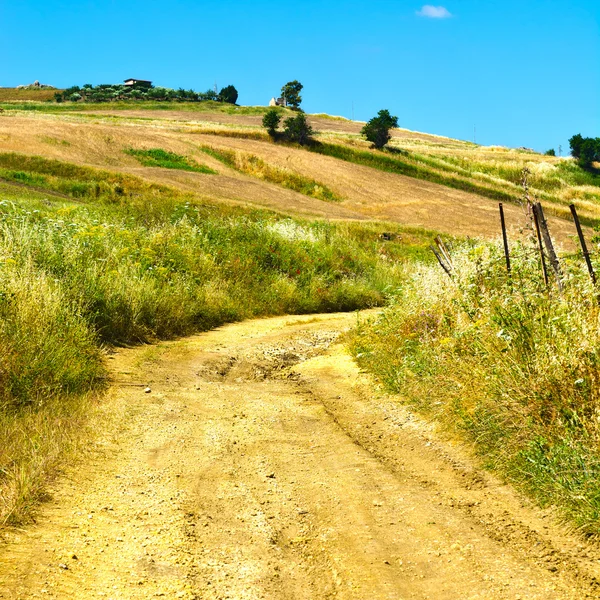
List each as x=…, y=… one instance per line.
x=550, y=152
x=575, y=143
x=589, y=152
x=291, y=92
x=271, y=121
x=298, y=130
x=585, y=150
x=228, y=94
x=377, y=130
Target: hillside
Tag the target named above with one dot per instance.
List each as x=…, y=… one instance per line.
x=455, y=190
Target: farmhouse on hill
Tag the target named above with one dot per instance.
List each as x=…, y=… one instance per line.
x=143, y=83
x=277, y=102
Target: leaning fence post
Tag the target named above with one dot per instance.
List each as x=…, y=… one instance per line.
x=504, y=237
x=549, y=246
x=444, y=251
x=540, y=246
x=586, y=254
x=440, y=260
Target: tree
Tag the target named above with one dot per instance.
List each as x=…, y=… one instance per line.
x=575, y=143
x=589, y=152
x=550, y=152
x=271, y=121
x=228, y=94
x=298, y=130
x=377, y=130
x=291, y=92
x=585, y=150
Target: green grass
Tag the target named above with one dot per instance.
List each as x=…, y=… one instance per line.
x=86, y=184
x=138, y=265
x=504, y=364
x=156, y=157
x=256, y=167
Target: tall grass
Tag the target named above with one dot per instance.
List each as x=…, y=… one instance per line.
x=140, y=266
x=256, y=167
x=504, y=364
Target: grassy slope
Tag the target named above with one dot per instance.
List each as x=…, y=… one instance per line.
x=456, y=199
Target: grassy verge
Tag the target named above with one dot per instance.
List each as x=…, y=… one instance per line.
x=139, y=265
x=256, y=167
x=156, y=157
x=505, y=365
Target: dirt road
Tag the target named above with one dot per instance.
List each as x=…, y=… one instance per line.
x=263, y=464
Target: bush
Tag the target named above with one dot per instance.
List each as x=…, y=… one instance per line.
x=298, y=130
x=271, y=121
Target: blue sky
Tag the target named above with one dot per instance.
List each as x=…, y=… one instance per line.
x=524, y=73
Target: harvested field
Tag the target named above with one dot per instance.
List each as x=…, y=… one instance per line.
x=366, y=192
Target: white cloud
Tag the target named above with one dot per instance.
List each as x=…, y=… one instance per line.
x=434, y=12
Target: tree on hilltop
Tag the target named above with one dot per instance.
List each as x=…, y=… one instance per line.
x=585, y=150
x=291, y=92
x=377, y=130
x=228, y=94
x=575, y=143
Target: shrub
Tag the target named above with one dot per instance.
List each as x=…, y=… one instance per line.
x=271, y=121
x=298, y=130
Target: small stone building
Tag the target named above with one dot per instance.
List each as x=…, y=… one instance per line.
x=277, y=102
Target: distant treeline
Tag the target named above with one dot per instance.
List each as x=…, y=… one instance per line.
x=114, y=93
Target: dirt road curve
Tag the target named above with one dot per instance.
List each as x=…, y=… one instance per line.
x=264, y=465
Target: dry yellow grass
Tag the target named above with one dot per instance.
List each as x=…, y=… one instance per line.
x=367, y=193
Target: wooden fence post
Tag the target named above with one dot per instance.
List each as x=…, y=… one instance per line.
x=504, y=237
x=586, y=254
x=549, y=246
x=540, y=246
x=441, y=261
